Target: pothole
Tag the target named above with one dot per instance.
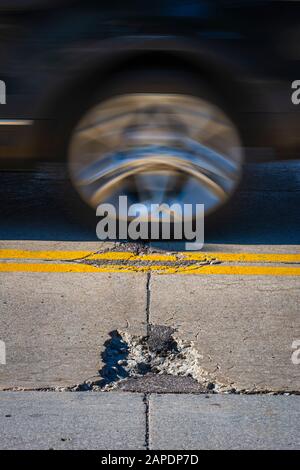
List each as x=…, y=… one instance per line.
x=159, y=362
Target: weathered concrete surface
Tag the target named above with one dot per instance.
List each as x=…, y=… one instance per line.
x=224, y=422
x=55, y=324
x=243, y=327
x=49, y=420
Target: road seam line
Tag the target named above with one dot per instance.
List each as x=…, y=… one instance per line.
x=147, y=421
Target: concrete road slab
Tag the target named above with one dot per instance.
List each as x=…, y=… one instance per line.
x=187, y=422
x=55, y=325
x=243, y=327
x=49, y=420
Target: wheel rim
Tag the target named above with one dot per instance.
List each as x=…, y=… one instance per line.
x=156, y=149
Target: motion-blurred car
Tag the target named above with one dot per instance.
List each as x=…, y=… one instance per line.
x=162, y=101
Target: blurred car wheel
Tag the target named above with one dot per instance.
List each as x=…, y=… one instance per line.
x=156, y=139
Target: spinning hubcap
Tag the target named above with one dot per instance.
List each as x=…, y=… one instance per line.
x=155, y=148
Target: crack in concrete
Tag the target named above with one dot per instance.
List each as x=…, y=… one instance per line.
x=143, y=263
x=147, y=420
x=137, y=250
x=148, y=299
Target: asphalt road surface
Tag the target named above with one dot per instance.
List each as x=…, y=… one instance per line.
x=93, y=330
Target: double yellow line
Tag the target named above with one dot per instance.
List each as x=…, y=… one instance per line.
x=271, y=264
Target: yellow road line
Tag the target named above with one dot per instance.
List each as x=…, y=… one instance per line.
x=118, y=255
x=207, y=269
x=42, y=254
x=70, y=255
x=249, y=257
x=241, y=270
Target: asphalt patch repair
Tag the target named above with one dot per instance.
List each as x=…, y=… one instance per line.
x=159, y=362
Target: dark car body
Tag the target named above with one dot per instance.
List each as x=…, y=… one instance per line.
x=55, y=54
